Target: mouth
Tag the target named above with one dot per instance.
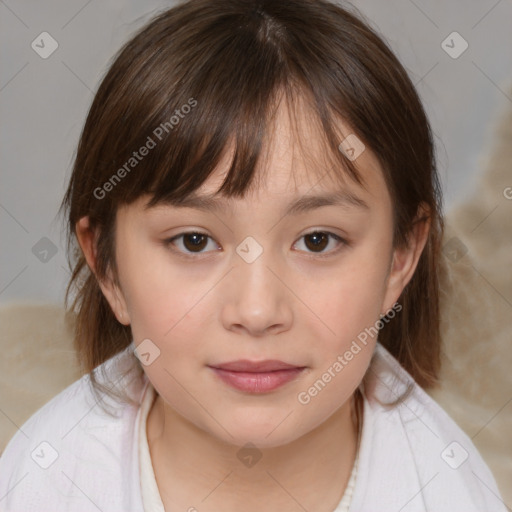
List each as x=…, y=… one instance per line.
x=257, y=376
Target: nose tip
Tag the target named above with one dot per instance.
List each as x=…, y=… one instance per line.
x=256, y=303
x=257, y=329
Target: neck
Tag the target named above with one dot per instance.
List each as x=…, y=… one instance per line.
x=193, y=467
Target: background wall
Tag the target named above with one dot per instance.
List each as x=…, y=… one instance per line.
x=44, y=102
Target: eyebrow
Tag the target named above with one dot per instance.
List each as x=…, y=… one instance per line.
x=303, y=204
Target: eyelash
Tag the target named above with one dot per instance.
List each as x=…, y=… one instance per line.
x=169, y=242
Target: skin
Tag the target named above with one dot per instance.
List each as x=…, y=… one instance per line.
x=289, y=304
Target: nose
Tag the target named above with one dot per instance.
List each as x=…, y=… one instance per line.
x=255, y=299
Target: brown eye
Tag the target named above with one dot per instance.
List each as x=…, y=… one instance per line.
x=191, y=242
x=194, y=241
x=318, y=241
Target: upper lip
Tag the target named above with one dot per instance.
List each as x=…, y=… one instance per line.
x=244, y=365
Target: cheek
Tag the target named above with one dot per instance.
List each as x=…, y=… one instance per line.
x=158, y=294
x=348, y=296
x=171, y=305
x=349, y=309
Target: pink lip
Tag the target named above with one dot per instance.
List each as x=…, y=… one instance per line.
x=257, y=377
x=244, y=365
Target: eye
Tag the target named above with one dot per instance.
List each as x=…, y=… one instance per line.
x=317, y=241
x=195, y=242
x=191, y=242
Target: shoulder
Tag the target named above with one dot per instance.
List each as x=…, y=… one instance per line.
x=76, y=443
x=419, y=445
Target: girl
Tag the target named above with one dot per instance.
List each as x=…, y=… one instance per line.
x=258, y=217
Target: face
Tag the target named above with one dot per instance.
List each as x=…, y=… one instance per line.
x=251, y=281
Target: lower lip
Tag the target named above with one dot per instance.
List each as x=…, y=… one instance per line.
x=258, y=382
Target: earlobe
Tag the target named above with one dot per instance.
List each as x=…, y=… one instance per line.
x=87, y=238
x=118, y=304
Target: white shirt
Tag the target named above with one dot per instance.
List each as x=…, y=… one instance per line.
x=71, y=456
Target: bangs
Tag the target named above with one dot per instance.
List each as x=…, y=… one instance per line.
x=246, y=146
x=191, y=107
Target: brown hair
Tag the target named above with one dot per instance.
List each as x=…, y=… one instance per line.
x=208, y=73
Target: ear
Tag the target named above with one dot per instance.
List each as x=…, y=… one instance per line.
x=87, y=238
x=405, y=259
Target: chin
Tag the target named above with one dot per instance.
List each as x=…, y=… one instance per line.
x=262, y=434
